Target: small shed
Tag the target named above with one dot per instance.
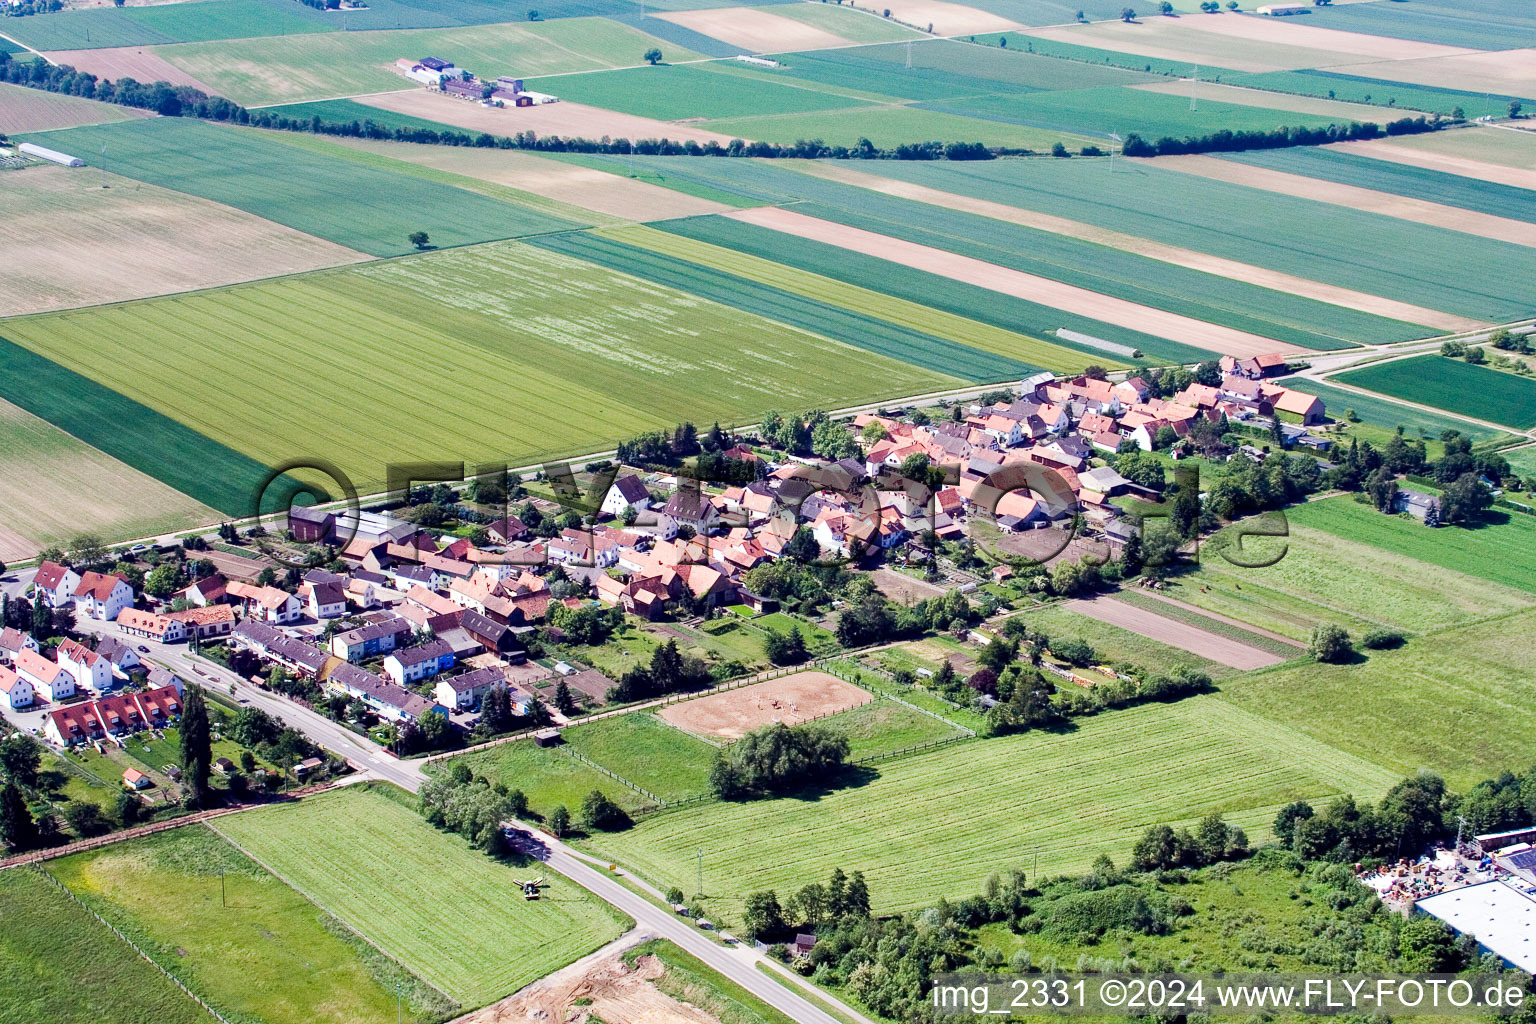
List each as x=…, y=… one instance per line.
x=547, y=737
x=223, y=765
x=135, y=779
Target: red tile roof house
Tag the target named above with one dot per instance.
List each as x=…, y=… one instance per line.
x=214, y=620
x=160, y=628
x=49, y=680
x=91, y=670
x=103, y=595
x=17, y=691
x=55, y=584
x=112, y=716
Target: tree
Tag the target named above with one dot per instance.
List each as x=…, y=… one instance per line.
x=87, y=550
x=128, y=809
x=762, y=915
x=1185, y=517
x=803, y=546
x=42, y=620
x=1285, y=822
x=435, y=730
x=85, y=819
x=832, y=441
x=812, y=901
x=653, y=56
x=1165, y=7
x=856, y=900
x=784, y=648
x=559, y=821
x=1127, y=14
x=196, y=745
x=1464, y=499
x=1514, y=108
x=165, y=579
x=564, y=702
x=17, y=828
x=417, y=238
x=599, y=813
x=1330, y=643
x=20, y=759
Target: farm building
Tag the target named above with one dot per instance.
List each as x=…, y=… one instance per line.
x=1281, y=10
x=51, y=155
x=1501, y=917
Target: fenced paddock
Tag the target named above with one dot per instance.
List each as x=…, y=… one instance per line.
x=792, y=699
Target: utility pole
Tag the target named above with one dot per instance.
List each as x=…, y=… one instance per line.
x=223, y=897
x=1034, y=872
x=1193, y=82
x=699, y=890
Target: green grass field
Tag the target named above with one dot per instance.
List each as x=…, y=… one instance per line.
x=54, y=486
x=852, y=26
x=362, y=208
x=892, y=125
x=884, y=727
x=672, y=92
x=1398, y=179
x=254, y=949
x=548, y=777
x=1204, y=622
x=879, y=337
x=1521, y=460
x=1459, y=273
x=1484, y=25
x=183, y=22
x=1459, y=701
x=532, y=343
x=862, y=301
x=1501, y=550
x=260, y=72
x=451, y=913
x=46, y=941
x=939, y=823
x=1113, y=644
x=653, y=755
x=1453, y=385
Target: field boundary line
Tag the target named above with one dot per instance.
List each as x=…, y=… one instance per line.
x=135, y=947
x=891, y=696
x=312, y=902
x=584, y=759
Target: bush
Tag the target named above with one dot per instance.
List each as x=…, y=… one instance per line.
x=1382, y=639
x=1330, y=643
x=600, y=814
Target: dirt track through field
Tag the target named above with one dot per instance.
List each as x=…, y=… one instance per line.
x=790, y=699
x=755, y=30
x=563, y=118
x=1499, y=174
x=1332, y=294
x=1175, y=634
x=134, y=62
x=1453, y=218
x=1071, y=298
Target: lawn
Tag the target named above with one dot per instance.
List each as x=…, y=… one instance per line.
x=645, y=750
x=260, y=72
x=1502, y=549
x=878, y=336
x=1112, y=644
x=549, y=340
x=934, y=291
x=360, y=207
x=451, y=913
x=54, y=486
x=547, y=776
x=1457, y=273
x=885, y=726
x=235, y=934
x=1461, y=701
x=862, y=301
x=818, y=638
x=939, y=823
x=1453, y=385
x=46, y=941
x=1397, y=179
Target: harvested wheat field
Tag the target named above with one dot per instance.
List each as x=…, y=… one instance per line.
x=947, y=19
x=1273, y=100
x=1210, y=646
x=1176, y=255
x=755, y=29
x=1071, y=298
x=128, y=62
x=616, y=195
x=1511, y=72
x=1294, y=33
x=1172, y=39
x=32, y=110
x=70, y=240
x=563, y=118
x=1453, y=218
x=790, y=699
x=1517, y=173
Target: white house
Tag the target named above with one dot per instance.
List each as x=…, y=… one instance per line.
x=122, y=657
x=55, y=584
x=102, y=595
x=17, y=691
x=47, y=679
x=327, y=600
x=267, y=604
x=159, y=628
x=409, y=664
x=626, y=492
x=13, y=642
x=91, y=670
x=465, y=690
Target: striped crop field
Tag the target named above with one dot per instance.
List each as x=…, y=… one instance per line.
x=1378, y=412
x=363, y=208
x=1453, y=385
x=500, y=352
x=425, y=897
x=877, y=336
x=938, y=823
x=908, y=284
x=864, y=302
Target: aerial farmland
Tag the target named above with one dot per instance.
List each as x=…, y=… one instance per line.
x=732, y=513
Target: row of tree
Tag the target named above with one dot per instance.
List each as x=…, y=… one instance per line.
x=1228, y=141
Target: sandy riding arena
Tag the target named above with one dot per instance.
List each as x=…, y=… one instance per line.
x=790, y=699
x=609, y=990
